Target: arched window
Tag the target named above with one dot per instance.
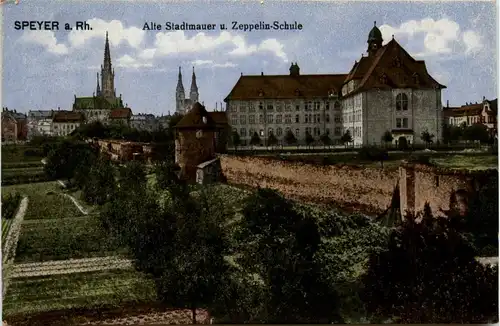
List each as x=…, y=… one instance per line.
x=337, y=105
x=401, y=102
x=270, y=131
x=279, y=131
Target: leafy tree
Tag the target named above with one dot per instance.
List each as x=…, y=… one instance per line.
x=278, y=243
x=387, y=137
x=427, y=137
x=290, y=138
x=90, y=130
x=309, y=138
x=255, y=140
x=477, y=132
x=346, y=138
x=235, y=139
x=272, y=140
x=429, y=274
x=100, y=184
x=326, y=140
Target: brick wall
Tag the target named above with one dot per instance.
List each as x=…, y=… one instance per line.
x=363, y=189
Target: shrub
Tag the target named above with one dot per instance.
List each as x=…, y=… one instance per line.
x=420, y=159
x=33, y=152
x=372, y=153
x=9, y=205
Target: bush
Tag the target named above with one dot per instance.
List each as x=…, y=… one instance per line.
x=420, y=159
x=372, y=153
x=9, y=205
x=33, y=152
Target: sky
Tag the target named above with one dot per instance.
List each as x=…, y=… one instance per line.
x=44, y=70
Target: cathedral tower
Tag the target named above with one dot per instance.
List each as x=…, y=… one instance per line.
x=98, y=88
x=374, y=40
x=193, y=95
x=107, y=74
x=179, y=94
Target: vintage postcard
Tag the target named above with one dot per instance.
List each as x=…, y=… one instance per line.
x=232, y=162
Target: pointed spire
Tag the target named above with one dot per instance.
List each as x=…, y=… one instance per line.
x=193, y=95
x=180, y=86
x=107, y=54
x=375, y=24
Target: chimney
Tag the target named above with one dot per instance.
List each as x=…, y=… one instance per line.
x=216, y=106
x=447, y=103
x=262, y=73
x=58, y=108
x=484, y=98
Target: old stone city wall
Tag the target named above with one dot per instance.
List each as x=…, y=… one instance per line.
x=368, y=190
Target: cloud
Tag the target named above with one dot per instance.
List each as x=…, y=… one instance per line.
x=434, y=37
x=211, y=64
x=270, y=45
x=127, y=61
x=47, y=39
x=118, y=33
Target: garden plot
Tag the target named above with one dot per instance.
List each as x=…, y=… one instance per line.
x=77, y=291
x=6, y=223
x=72, y=239
x=59, y=267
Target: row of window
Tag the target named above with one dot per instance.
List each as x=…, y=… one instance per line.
x=316, y=132
x=64, y=127
x=287, y=118
x=287, y=107
x=356, y=117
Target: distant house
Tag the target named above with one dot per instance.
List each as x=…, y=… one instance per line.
x=40, y=123
x=472, y=113
x=120, y=116
x=64, y=122
x=14, y=125
x=146, y=122
x=223, y=131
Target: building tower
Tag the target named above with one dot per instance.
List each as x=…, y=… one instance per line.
x=98, y=88
x=193, y=95
x=179, y=95
x=374, y=40
x=107, y=74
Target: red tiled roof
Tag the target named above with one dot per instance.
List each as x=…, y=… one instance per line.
x=408, y=73
x=219, y=118
x=464, y=110
x=285, y=86
x=196, y=118
x=124, y=113
x=67, y=116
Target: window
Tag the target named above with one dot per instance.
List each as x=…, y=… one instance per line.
x=251, y=132
x=261, y=106
x=269, y=118
x=337, y=118
x=288, y=107
x=297, y=118
x=297, y=132
x=243, y=107
x=327, y=131
x=288, y=118
x=270, y=131
x=338, y=131
x=309, y=106
x=287, y=129
x=398, y=123
x=401, y=102
x=416, y=80
x=243, y=132
x=251, y=119
x=261, y=118
x=308, y=130
x=297, y=107
x=270, y=107
x=261, y=133
x=243, y=119
x=306, y=118
x=279, y=131
x=234, y=119
x=327, y=106
x=279, y=107
x=251, y=107
x=327, y=118
x=317, y=131
x=318, y=118
x=405, y=122
x=317, y=106
x=383, y=79
x=337, y=105
x=278, y=119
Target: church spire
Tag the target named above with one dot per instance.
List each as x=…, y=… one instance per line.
x=98, y=88
x=107, y=73
x=193, y=95
x=179, y=94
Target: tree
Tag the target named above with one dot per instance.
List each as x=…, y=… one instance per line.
x=428, y=274
x=100, y=183
x=387, y=137
x=346, y=138
x=272, y=140
x=477, y=132
x=235, y=139
x=426, y=137
x=326, y=140
x=278, y=243
x=309, y=138
x=255, y=140
x=290, y=138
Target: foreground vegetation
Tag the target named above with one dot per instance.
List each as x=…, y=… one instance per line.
x=256, y=257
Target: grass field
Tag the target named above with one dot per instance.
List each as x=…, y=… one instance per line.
x=6, y=223
x=470, y=162
x=46, y=201
x=65, y=239
x=79, y=290
x=21, y=153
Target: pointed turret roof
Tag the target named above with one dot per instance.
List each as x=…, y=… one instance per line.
x=194, y=87
x=375, y=34
x=107, y=54
x=180, y=87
